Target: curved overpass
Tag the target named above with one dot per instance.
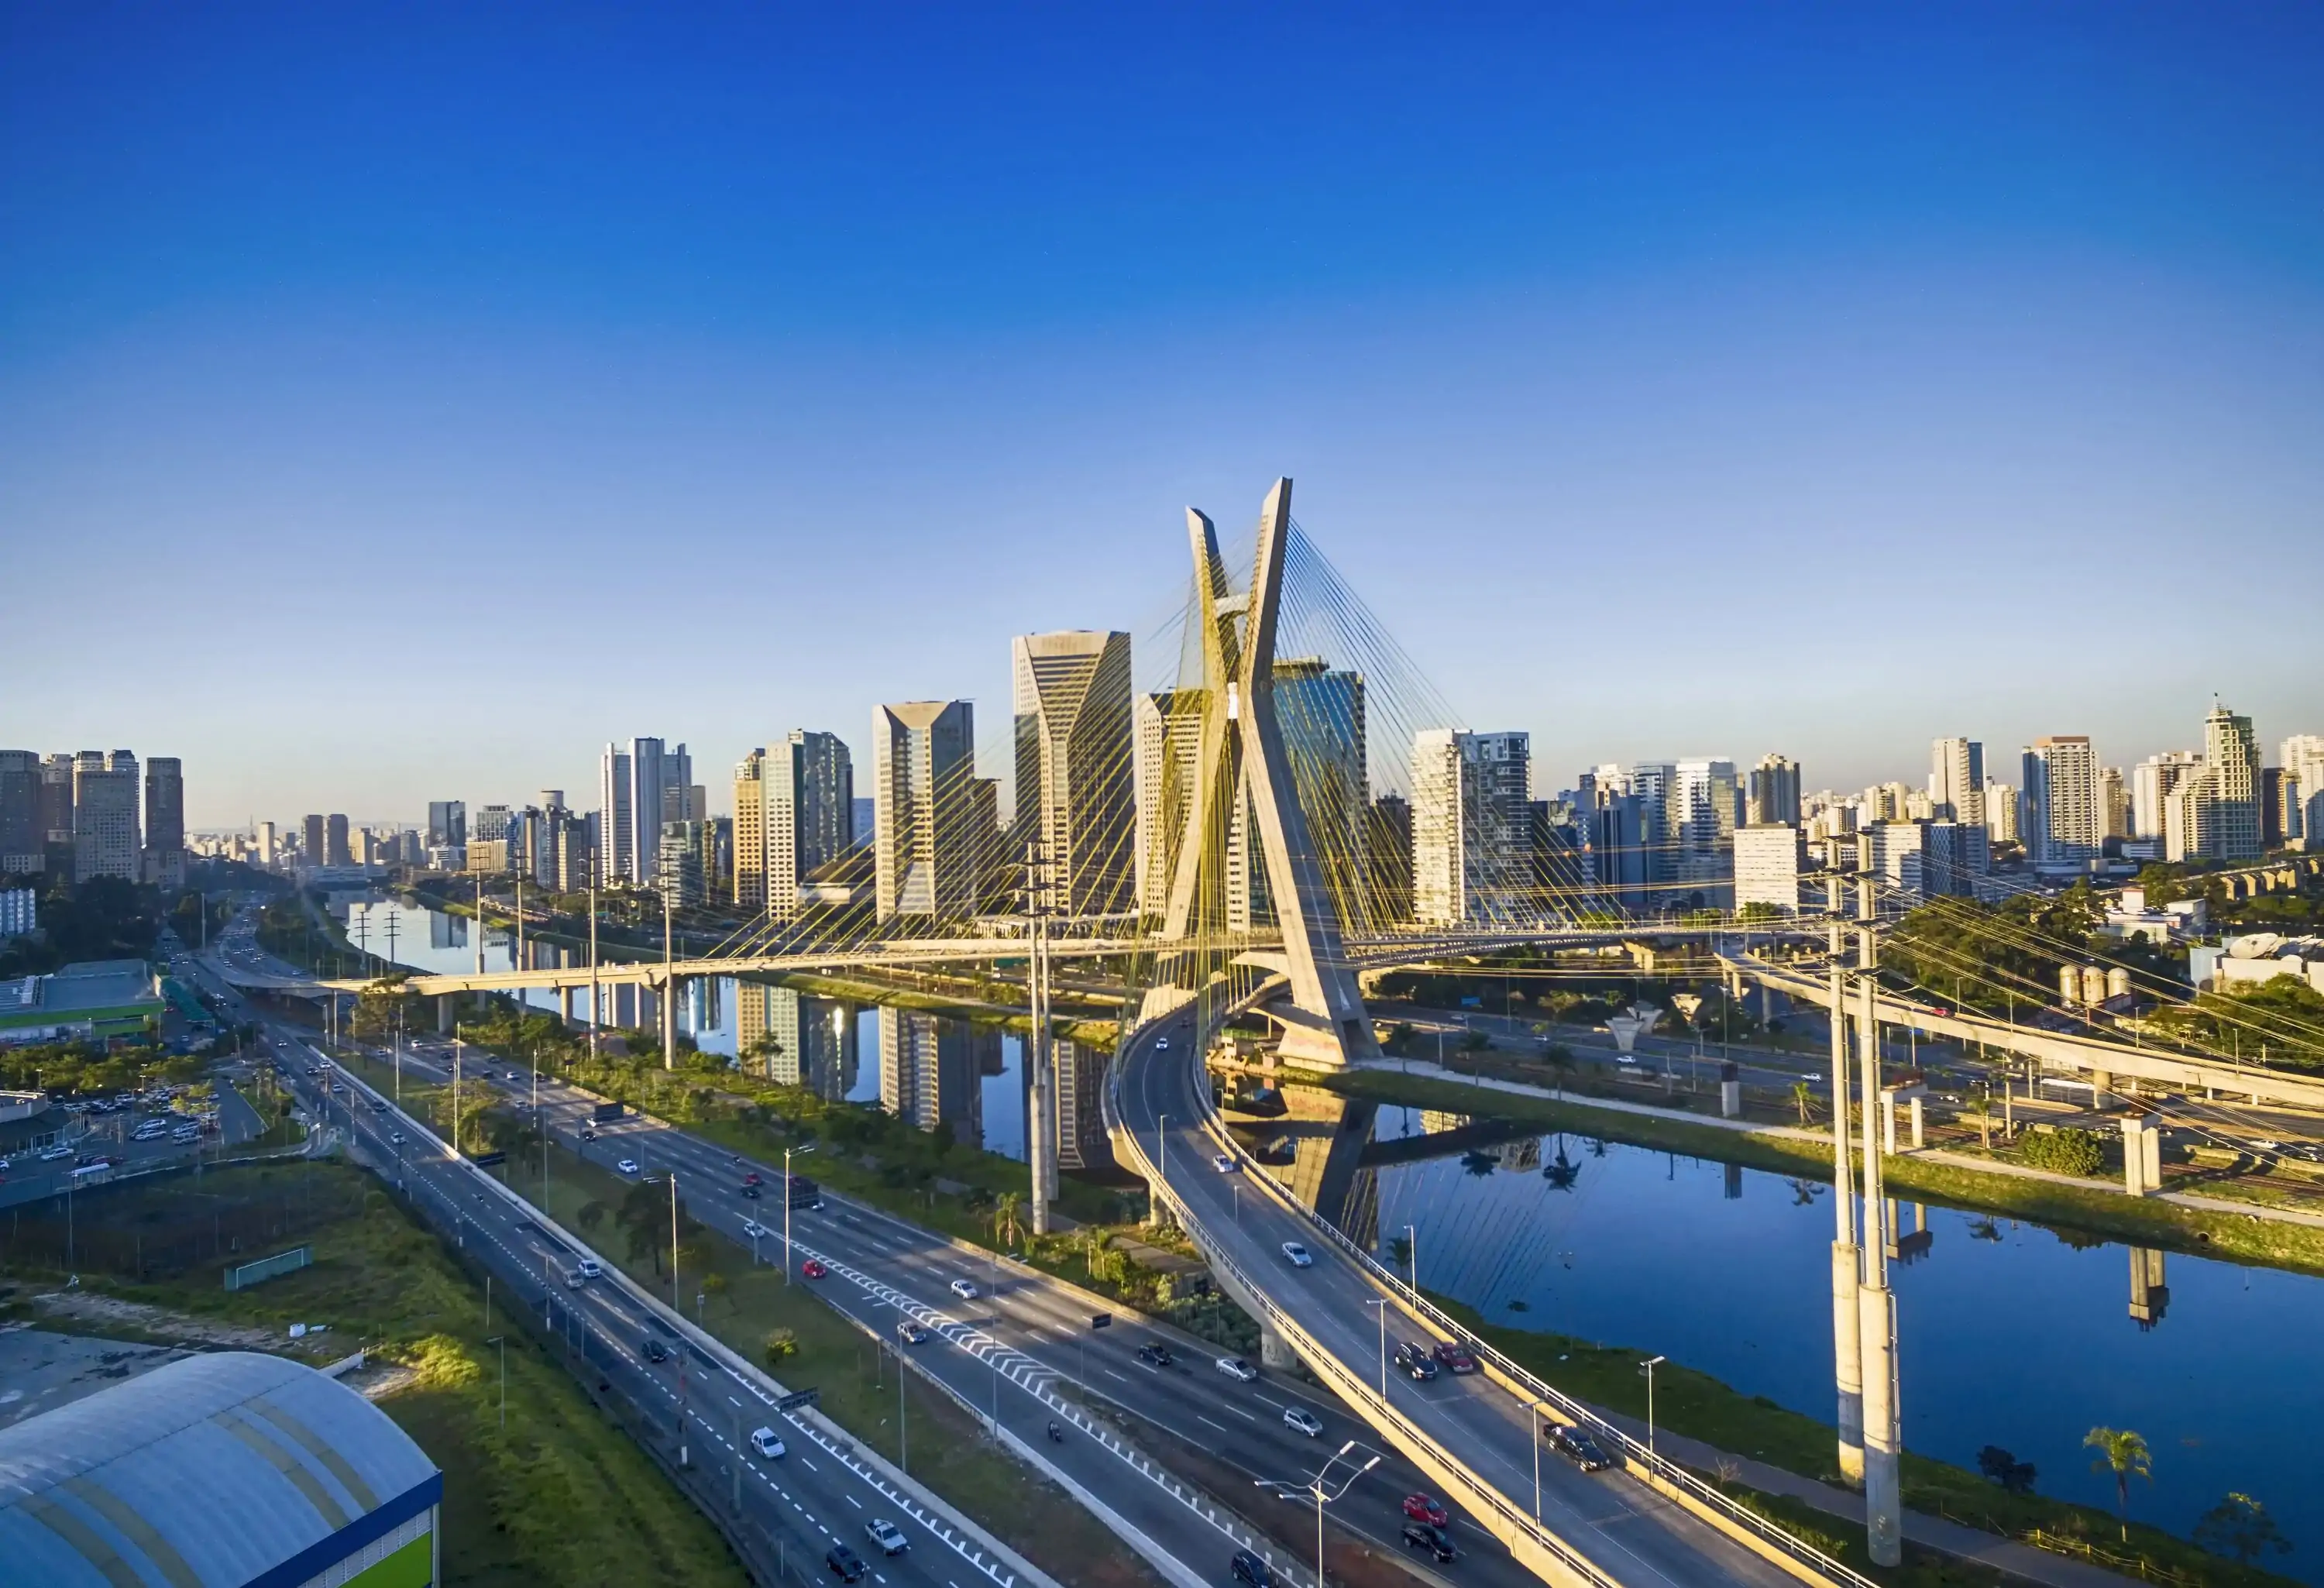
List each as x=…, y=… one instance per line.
x=1473, y=1435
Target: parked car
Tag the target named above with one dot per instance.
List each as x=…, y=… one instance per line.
x=1299, y=1419
x=889, y=1537
x=1298, y=1255
x=655, y=1351
x=1576, y=1446
x=1414, y=1362
x=767, y=1443
x=1425, y=1507
x=846, y=1564
x=964, y=1289
x=1456, y=1358
x=1155, y=1355
x=813, y=1268
x=1432, y=1541
x=1235, y=1368
x=1250, y=1572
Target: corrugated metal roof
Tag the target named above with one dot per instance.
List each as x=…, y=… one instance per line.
x=204, y=1474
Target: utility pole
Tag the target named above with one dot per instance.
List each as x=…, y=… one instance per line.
x=1847, y=1260
x=668, y=991
x=595, y=998
x=1883, y=1503
x=1041, y=1115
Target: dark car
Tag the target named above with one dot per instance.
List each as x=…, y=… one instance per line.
x=750, y=1190
x=655, y=1350
x=1431, y=1540
x=1576, y=1446
x=1414, y=1361
x=1251, y=1571
x=1455, y=1358
x=1155, y=1355
x=846, y=1564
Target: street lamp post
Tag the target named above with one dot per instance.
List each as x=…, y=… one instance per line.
x=1321, y=1488
x=501, y=1340
x=1647, y=1368
x=787, y=1207
x=1381, y=1303
x=1412, y=1255
x=1532, y=1425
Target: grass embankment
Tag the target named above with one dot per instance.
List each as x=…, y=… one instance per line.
x=2140, y=1221
x=909, y=1423
x=997, y=1005
x=560, y=1496
x=1701, y=1407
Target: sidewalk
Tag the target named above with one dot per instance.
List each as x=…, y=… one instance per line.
x=1428, y=1070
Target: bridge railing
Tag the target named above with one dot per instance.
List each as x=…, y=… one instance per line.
x=1635, y=1455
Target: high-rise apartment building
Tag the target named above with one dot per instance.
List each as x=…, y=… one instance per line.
x=20, y=847
x=1774, y=792
x=616, y=834
x=106, y=836
x=1649, y=783
x=2153, y=781
x=2301, y=757
x=2113, y=803
x=57, y=811
x=1388, y=857
x=1167, y=730
x=1957, y=781
x=447, y=823
x=1621, y=862
x=2064, y=824
x=165, y=860
x=686, y=858
x=1703, y=807
x=2231, y=787
x=310, y=840
x=1075, y=765
x=1768, y=860
x=334, y=840
x=794, y=805
x=927, y=810
x=1470, y=859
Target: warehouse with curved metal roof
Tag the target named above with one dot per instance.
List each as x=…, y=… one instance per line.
x=225, y=1471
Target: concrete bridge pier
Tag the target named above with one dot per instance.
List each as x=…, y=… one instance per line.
x=443, y=1016
x=1273, y=1353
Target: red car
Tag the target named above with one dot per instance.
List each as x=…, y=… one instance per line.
x=751, y=1178
x=1454, y=1358
x=1422, y=1507
x=813, y=1270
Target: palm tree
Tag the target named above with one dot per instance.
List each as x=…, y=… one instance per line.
x=1800, y=1095
x=2124, y=1455
x=1981, y=1109
x=1005, y=1226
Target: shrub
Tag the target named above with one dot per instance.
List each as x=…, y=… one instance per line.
x=781, y=1343
x=2067, y=1150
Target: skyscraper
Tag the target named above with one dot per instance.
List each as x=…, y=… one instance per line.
x=21, y=848
x=2302, y=759
x=165, y=822
x=1700, y=808
x=793, y=810
x=2065, y=825
x=2153, y=781
x=1774, y=792
x=447, y=823
x=647, y=810
x=616, y=834
x=926, y=811
x=1167, y=727
x=1470, y=825
x=1076, y=773
x=106, y=839
x=57, y=811
x=311, y=841
x=1957, y=781
x=2231, y=792
x=334, y=840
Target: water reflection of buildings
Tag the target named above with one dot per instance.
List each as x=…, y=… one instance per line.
x=931, y=1067
x=446, y=931
x=813, y=1038
x=2148, y=1294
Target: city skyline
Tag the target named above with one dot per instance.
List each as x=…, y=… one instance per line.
x=2052, y=317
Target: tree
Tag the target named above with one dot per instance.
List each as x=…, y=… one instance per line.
x=1006, y=1211
x=1801, y=1096
x=781, y=1343
x=1981, y=1109
x=2000, y=1466
x=593, y=1214
x=2239, y=1526
x=1558, y=1057
x=2124, y=1455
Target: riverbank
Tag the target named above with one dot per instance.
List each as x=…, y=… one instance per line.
x=2251, y=1237
x=1103, y=1034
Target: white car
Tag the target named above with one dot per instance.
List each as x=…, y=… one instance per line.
x=1303, y=1421
x=50, y=1154
x=1161, y=1044
x=589, y=1269
x=1298, y=1255
x=887, y=1535
x=1235, y=1368
x=767, y=1443
x=396, y=1137
x=1222, y=1163
x=752, y=1230
x=628, y=1166
x=964, y=1289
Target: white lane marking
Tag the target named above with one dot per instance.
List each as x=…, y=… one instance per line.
x=853, y=1500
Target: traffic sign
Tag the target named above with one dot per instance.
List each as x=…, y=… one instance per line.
x=1103, y=1320
x=799, y=1397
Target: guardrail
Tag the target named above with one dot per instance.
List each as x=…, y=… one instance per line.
x=1636, y=1457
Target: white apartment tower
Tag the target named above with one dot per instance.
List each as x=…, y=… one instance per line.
x=1075, y=776
x=2065, y=824
x=105, y=834
x=2302, y=756
x=926, y=808
x=1469, y=826
x=794, y=806
x=1768, y=860
x=2231, y=792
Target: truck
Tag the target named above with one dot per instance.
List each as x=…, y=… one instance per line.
x=606, y=1112
x=802, y=1192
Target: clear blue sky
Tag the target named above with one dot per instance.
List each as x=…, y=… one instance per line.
x=400, y=401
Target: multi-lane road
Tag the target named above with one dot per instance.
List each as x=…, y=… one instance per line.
x=1630, y=1533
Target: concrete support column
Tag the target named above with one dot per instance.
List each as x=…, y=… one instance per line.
x=1848, y=1360
x=444, y=1012
x=1888, y=1125
x=1883, y=1496
x=1918, y=1122
x=1273, y=1353
x=2101, y=1088
x=2151, y=1150
x=2134, y=1158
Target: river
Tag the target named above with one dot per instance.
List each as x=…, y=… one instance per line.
x=2008, y=1333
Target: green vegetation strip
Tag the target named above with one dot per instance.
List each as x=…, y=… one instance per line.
x=2140, y=1221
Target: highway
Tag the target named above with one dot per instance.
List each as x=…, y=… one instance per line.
x=1630, y=1534
x=816, y=1494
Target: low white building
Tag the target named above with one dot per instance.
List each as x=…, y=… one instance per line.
x=1768, y=860
x=2256, y=957
x=20, y=912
